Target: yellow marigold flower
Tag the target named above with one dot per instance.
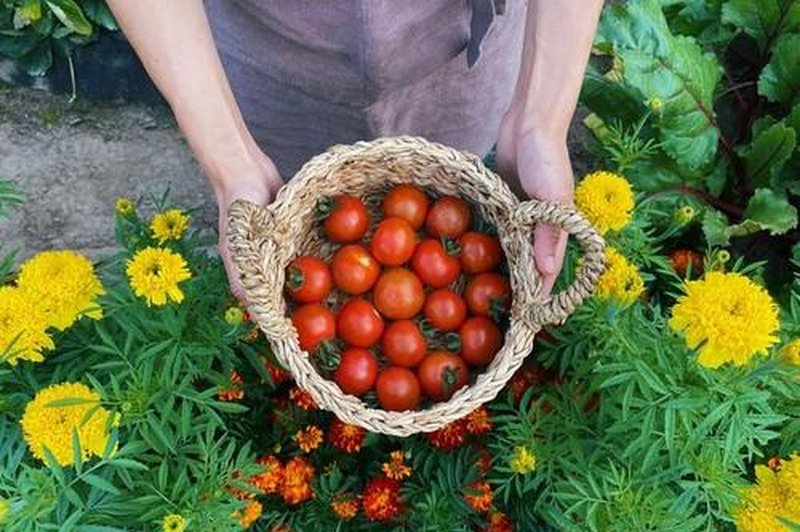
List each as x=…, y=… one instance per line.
x=731, y=316
x=65, y=285
x=51, y=427
x=155, y=273
x=173, y=523
x=169, y=225
x=309, y=438
x=124, y=207
x=621, y=281
x=773, y=496
x=5, y=510
x=345, y=506
x=234, y=316
x=250, y=514
x=790, y=353
x=523, y=461
x=23, y=325
x=396, y=468
x=606, y=199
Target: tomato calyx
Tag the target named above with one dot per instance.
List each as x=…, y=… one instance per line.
x=449, y=380
x=325, y=206
x=497, y=309
x=329, y=355
x=452, y=342
x=295, y=278
x=428, y=331
x=450, y=246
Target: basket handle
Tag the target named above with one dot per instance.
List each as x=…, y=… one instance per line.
x=561, y=305
x=253, y=238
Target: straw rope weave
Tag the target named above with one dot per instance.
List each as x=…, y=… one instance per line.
x=264, y=240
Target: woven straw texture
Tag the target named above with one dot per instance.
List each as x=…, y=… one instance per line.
x=264, y=240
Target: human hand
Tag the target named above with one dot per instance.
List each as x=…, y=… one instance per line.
x=540, y=163
x=258, y=184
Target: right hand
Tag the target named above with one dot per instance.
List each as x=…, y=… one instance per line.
x=258, y=185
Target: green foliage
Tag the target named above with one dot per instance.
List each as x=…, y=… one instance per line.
x=711, y=88
x=35, y=31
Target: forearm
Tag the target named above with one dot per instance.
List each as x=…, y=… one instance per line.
x=174, y=42
x=558, y=41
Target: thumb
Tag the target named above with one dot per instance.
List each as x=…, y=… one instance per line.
x=549, y=244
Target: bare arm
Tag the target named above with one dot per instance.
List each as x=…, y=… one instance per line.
x=532, y=144
x=174, y=42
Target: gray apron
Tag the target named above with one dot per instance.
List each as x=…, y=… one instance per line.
x=308, y=73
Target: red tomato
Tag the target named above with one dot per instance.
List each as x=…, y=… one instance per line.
x=449, y=216
x=479, y=252
x=398, y=389
x=354, y=269
x=403, y=343
x=488, y=292
x=393, y=242
x=442, y=374
x=357, y=371
x=359, y=323
x=314, y=324
x=445, y=310
x=481, y=339
x=347, y=221
x=308, y=280
x=406, y=202
x=398, y=294
x=434, y=265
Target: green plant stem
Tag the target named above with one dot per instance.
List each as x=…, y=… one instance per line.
x=714, y=201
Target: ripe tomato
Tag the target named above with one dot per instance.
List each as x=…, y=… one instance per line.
x=393, y=242
x=398, y=294
x=359, y=323
x=314, y=324
x=449, y=216
x=487, y=293
x=354, y=269
x=434, y=265
x=479, y=252
x=481, y=339
x=398, y=389
x=308, y=280
x=346, y=220
x=406, y=202
x=445, y=310
x=357, y=371
x=403, y=344
x=441, y=374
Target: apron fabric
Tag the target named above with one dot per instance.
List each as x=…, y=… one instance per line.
x=310, y=74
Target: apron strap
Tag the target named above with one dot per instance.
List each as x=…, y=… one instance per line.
x=483, y=13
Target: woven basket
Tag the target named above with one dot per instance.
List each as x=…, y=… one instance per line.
x=264, y=240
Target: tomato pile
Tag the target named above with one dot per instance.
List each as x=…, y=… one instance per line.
x=403, y=317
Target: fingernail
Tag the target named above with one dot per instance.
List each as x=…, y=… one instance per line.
x=548, y=265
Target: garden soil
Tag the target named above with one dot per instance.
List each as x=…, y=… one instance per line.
x=72, y=160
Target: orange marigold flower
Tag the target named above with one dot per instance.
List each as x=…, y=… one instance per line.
x=479, y=496
x=478, y=422
x=345, y=437
x=345, y=506
x=271, y=479
x=297, y=475
x=250, y=514
x=484, y=462
x=235, y=392
x=449, y=437
x=396, y=468
x=302, y=398
x=381, y=499
x=499, y=522
x=309, y=438
x=278, y=375
x=682, y=258
x=774, y=463
x=237, y=492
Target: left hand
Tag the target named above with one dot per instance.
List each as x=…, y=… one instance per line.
x=540, y=162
